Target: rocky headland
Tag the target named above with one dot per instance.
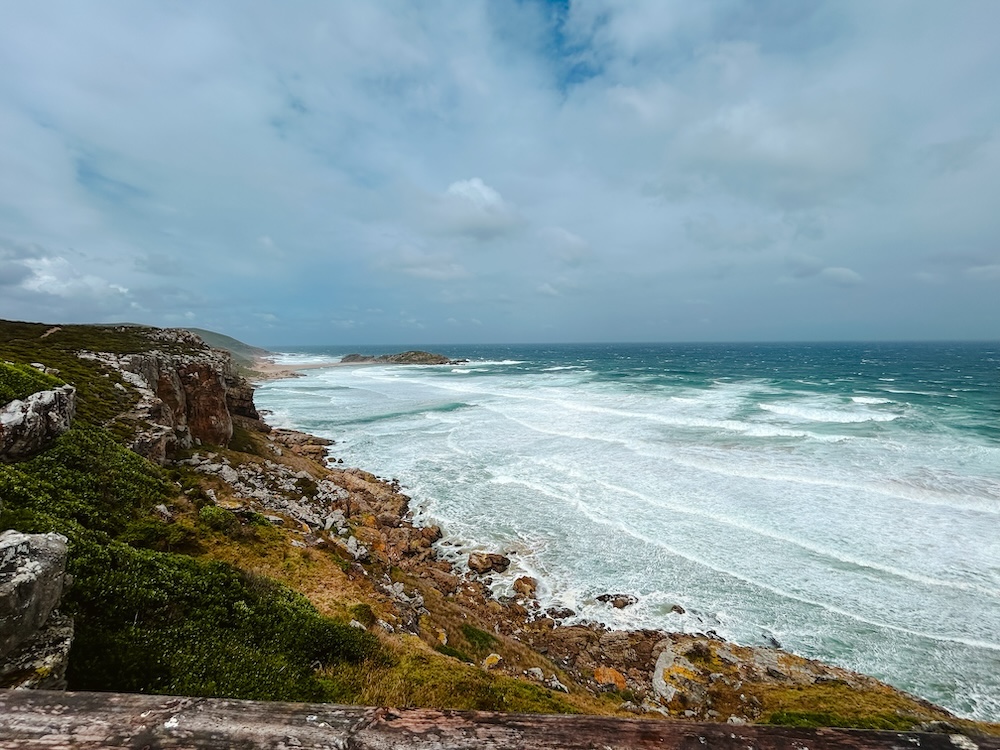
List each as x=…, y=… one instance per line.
x=415, y=357
x=280, y=505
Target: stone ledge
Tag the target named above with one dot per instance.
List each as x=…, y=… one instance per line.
x=43, y=719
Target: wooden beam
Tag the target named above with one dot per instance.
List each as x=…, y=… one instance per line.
x=42, y=719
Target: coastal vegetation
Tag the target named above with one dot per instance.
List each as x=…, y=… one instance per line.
x=183, y=585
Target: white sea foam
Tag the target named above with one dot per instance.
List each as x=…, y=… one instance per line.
x=819, y=414
x=755, y=505
x=294, y=359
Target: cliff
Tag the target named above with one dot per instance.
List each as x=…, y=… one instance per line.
x=186, y=398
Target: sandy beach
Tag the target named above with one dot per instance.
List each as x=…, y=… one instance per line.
x=268, y=369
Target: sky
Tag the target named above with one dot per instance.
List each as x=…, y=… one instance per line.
x=482, y=172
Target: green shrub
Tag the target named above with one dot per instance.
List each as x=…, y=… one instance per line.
x=810, y=719
x=159, y=535
x=453, y=653
x=18, y=381
x=219, y=519
x=480, y=640
x=363, y=613
x=166, y=623
x=152, y=621
x=86, y=477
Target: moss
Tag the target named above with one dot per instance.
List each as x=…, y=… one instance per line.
x=363, y=613
x=18, y=381
x=419, y=677
x=454, y=653
x=823, y=719
x=480, y=640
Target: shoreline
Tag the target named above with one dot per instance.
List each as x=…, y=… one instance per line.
x=697, y=676
x=268, y=369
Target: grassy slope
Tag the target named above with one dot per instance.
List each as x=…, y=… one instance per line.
x=243, y=354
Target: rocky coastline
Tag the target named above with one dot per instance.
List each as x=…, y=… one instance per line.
x=691, y=676
x=347, y=540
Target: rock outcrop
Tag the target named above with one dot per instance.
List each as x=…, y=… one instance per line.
x=186, y=399
x=28, y=425
x=34, y=638
x=403, y=358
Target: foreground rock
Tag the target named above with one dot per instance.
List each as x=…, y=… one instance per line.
x=34, y=639
x=100, y=720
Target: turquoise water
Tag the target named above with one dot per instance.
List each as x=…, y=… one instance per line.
x=840, y=499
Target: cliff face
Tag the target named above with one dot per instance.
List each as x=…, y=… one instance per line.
x=186, y=399
x=28, y=425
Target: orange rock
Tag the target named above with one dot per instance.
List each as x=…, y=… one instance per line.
x=609, y=676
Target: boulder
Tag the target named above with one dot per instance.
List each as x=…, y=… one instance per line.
x=486, y=562
x=609, y=676
x=32, y=569
x=618, y=601
x=34, y=638
x=526, y=586
x=28, y=425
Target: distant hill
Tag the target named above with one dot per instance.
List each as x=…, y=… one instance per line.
x=243, y=354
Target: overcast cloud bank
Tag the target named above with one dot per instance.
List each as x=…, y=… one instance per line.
x=477, y=171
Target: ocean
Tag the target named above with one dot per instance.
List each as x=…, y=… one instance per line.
x=841, y=500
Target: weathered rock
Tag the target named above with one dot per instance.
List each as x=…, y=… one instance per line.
x=486, y=562
x=185, y=399
x=41, y=663
x=560, y=613
x=32, y=569
x=34, y=639
x=609, y=676
x=28, y=425
x=618, y=601
x=526, y=586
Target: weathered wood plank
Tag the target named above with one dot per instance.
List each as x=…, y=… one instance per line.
x=41, y=719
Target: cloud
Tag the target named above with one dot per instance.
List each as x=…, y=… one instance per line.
x=708, y=232
x=474, y=209
x=842, y=276
x=481, y=160
x=414, y=262
x=565, y=246
x=989, y=272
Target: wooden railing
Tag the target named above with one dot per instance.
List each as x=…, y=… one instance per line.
x=42, y=719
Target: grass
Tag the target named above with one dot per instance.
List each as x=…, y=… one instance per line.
x=420, y=677
x=152, y=621
x=18, y=381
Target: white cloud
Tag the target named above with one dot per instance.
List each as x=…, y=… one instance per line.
x=473, y=208
x=842, y=276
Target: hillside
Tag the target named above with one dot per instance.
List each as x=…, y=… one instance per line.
x=215, y=556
